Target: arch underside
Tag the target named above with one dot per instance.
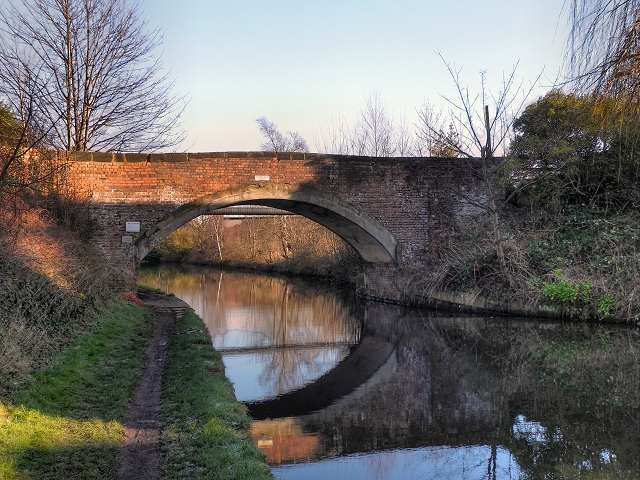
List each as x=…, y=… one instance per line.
x=371, y=240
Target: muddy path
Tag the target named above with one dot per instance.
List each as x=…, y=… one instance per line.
x=141, y=454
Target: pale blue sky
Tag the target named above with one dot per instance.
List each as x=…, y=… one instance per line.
x=301, y=63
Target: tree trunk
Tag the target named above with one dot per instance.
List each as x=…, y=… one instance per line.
x=486, y=155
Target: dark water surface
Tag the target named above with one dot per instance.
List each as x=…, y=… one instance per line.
x=344, y=389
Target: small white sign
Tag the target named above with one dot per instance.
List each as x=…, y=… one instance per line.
x=262, y=178
x=133, y=227
x=127, y=239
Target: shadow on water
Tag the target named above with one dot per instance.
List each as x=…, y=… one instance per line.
x=415, y=395
x=342, y=380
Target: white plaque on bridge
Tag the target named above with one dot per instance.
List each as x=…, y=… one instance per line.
x=262, y=178
x=133, y=227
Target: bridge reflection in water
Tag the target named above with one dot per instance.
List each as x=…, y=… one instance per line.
x=350, y=390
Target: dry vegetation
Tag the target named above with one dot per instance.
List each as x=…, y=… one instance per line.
x=584, y=268
x=289, y=244
x=48, y=283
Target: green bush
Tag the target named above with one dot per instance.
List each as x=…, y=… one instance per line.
x=576, y=298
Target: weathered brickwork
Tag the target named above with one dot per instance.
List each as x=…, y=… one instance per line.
x=413, y=198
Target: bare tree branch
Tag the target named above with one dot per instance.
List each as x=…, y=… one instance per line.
x=98, y=80
x=467, y=115
x=22, y=167
x=483, y=126
x=277, y=142
x=375, y=133
x=604, y=47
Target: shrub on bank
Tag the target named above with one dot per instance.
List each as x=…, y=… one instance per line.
x=577, y=266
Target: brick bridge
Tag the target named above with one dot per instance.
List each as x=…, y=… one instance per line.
x=397, y=213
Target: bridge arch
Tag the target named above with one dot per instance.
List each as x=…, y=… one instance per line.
x=365, y=234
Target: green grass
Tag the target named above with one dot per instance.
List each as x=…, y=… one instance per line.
x=66, y=423
x=205, y=428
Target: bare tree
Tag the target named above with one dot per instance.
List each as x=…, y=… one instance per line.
x=444, y=143
x=429, y=120
x=210, y=237
x=22, y=169
x=604, y=46
x=94, y=67
x=483, y=127
x=277, y=142
x=337, y=138
x=405, y=140
x=375, y=133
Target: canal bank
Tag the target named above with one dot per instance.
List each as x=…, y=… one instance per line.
x=73, y=419
x=205, y=433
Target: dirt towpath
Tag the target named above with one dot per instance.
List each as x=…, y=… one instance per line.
x=141, y=455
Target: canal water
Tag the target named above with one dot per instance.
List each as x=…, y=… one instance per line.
x=346, y=389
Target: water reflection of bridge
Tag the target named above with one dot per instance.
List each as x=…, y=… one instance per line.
x=288, y=438
x=346, y=424
x=351, y=374
x=367, y=405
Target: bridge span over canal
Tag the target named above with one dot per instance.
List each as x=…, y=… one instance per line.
x=397, y=213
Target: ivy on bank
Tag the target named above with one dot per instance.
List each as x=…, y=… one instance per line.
x=576, y=299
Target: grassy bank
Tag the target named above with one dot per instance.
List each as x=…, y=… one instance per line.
x=206, y=429
x=67, y=421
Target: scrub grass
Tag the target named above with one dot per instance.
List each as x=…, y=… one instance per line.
x=66, y=423
x=205, y=434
